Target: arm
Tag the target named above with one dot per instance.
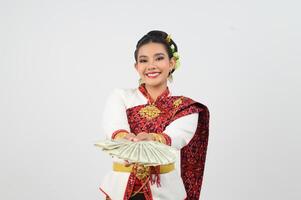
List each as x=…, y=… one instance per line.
x=177, y=134
x=114, y=118
x=182, y=130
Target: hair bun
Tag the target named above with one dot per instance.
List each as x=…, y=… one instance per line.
x=157, y=33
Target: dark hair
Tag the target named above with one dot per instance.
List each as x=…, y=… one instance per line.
x=157, y=37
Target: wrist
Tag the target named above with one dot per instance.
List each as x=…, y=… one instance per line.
x=158, y=138
x=120, y=134
x=167, y=138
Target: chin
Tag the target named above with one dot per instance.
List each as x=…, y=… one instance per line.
x=154, y=83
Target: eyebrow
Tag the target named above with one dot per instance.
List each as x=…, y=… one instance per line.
x=157, y=54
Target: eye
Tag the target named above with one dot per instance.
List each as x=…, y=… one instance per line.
x=142, y=61
x=160, y=58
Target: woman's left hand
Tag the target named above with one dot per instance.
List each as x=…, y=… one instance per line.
x=143, y=136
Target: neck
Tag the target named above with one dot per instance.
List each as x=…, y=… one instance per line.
x=155, y=91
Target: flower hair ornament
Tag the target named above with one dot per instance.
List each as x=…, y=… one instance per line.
x=175, y=54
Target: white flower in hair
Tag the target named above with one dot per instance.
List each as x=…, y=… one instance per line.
x=168, y=38
x=172, y=47
x=175, y=54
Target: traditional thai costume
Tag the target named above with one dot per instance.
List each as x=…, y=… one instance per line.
x=182, y=122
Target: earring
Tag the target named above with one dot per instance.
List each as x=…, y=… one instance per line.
x=170, y=78
x=140, y=81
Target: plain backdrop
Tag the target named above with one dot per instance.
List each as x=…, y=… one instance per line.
x=59, y=60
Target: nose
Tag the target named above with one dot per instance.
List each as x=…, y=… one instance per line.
x=151, y=67
x=152, y=63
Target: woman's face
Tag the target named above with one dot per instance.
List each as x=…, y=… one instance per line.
x=153, y=64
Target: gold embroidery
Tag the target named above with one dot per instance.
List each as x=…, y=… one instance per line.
x=149, y=112
x=142, y=172
x=178, y=102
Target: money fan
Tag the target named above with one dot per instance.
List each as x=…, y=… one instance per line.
x=148, y=153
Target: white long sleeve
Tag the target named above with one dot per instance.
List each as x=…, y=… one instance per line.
x=182, y=130
x=114, y=115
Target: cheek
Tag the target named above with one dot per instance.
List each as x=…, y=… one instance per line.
x=166, y=67
x=140, y=69
x=166, y=64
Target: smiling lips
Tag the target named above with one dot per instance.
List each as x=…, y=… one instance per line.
x=153, y=74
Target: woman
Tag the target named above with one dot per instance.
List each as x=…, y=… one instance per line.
x=148, y=113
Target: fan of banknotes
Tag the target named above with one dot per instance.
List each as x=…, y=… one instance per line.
x=148, y=153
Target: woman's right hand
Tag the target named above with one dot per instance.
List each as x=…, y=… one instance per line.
x=143, y=136
x=131, y=137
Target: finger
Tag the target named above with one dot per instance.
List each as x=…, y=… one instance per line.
x=129, y=137
x=142, y=133
x=127, y=163
x=142, y=137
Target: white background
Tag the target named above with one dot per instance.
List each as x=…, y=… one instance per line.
x=59, y=60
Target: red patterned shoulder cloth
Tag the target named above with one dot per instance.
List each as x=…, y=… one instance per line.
x=193, y=155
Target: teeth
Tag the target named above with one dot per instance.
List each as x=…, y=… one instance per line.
x=153, y=74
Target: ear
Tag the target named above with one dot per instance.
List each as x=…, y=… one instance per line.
x=136, y=66
x=172, y=63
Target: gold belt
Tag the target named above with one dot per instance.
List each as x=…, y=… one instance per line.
x=119, y=167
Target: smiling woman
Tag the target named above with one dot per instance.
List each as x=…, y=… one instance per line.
x=151, y=113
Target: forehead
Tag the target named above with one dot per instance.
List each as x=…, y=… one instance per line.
x=152, y=48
